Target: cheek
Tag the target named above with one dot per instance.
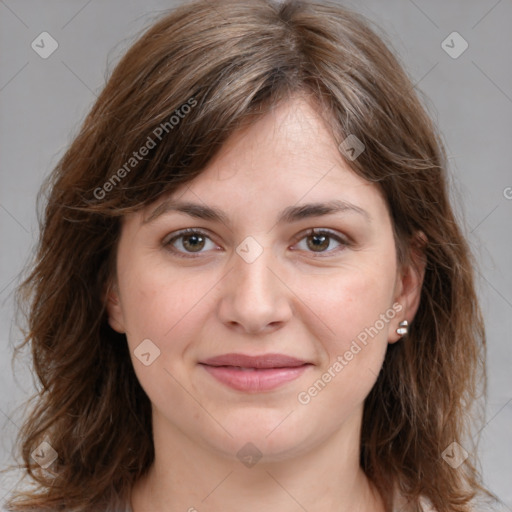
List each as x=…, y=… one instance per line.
x=160, y=307
x=354, y=317
x=350, y=305
x=162, y=304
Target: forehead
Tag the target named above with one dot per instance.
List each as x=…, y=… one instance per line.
x=284, y=156
x=267, y=171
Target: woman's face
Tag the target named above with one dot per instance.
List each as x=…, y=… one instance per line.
x=258, y=283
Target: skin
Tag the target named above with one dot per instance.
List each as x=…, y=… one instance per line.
x=293, y=299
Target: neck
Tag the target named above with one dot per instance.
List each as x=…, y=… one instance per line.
x=186, y=476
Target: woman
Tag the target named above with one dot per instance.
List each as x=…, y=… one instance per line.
x=251, y=291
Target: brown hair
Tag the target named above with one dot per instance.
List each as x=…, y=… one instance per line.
x=230, y=62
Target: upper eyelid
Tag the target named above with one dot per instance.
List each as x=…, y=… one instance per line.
x=187, y=231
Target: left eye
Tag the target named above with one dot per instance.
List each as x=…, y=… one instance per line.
x=193, y=241
x=321, y=240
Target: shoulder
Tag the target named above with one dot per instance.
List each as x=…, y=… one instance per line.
x=117, y=506
x=402, y=504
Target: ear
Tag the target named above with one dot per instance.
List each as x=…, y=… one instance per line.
x=114, y=309
x=409, y=284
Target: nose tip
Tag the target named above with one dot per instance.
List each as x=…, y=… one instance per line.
x=254, y=299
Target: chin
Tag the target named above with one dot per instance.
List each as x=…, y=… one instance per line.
x=257, y=435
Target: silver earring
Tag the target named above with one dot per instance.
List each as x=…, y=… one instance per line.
x=402, y=329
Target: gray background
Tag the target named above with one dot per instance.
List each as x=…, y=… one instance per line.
x=43, y=102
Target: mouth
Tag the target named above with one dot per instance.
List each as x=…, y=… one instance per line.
x=254, y=374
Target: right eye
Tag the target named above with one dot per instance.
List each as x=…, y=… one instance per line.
x=191, y=241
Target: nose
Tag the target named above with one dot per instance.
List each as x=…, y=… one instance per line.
x=254, y=297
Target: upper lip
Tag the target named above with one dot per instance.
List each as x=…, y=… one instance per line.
x=261, y=361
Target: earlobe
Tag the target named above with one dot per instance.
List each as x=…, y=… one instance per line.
x=114, y=310
x=409, y=286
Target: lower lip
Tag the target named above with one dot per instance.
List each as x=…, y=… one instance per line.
x=255, y=380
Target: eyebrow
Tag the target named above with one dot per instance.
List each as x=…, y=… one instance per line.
x=288, y=215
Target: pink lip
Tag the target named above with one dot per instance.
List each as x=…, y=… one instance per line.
x=254, y=373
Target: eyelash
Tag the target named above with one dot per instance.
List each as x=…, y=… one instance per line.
x=311, y=232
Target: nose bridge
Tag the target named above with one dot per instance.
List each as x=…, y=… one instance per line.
x=252, y=274
x=253, y=296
